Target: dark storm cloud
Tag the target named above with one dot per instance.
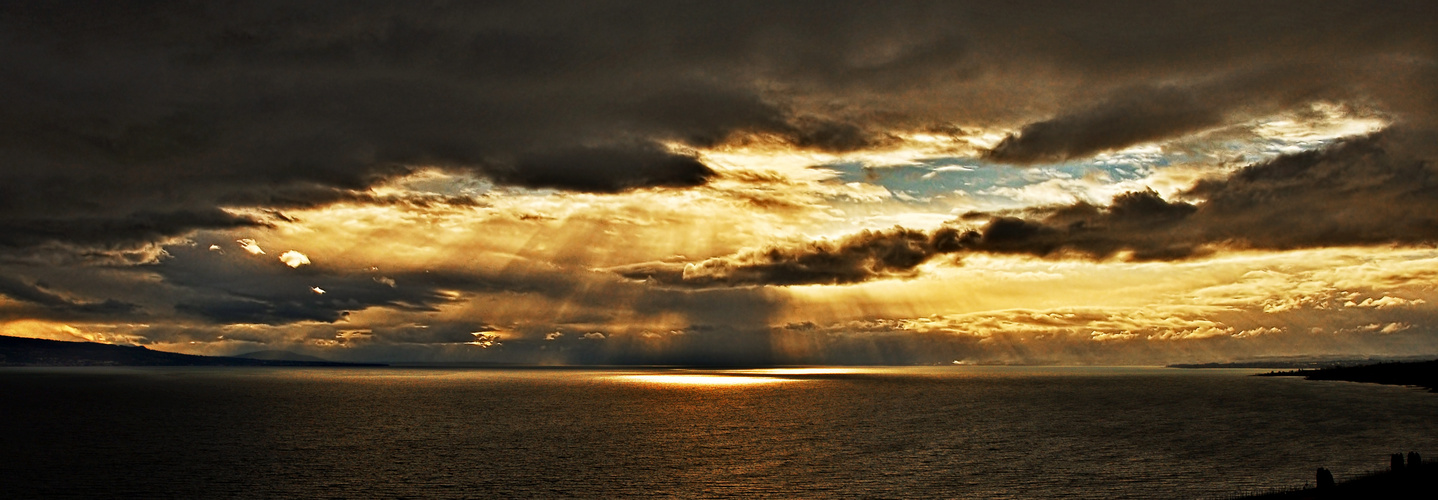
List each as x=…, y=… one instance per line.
x=100, y=234
x=158, y=112
x=1379, y=189
x=860, y=257
x=45, y=303
x=119, y=112
x=1135, y=115
x=236, y=287
x=1373, y=190
x=1201, y=66
x=1134, y=222
x=445, y=333
x=591, y=169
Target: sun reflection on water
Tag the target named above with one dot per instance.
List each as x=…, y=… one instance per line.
x=796, y=371
x=695, y=379
x=740, y=377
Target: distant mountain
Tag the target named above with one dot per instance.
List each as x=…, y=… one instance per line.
x=19, y=351
x=274, y=355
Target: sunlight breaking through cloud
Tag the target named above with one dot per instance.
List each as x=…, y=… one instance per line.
x=464, y=182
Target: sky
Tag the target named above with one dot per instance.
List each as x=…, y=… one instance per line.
x=734, y=182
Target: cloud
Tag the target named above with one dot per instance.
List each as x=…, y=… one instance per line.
x=278, y=105
x=222, y=288
x=1377, y=189
x=53, y=305
x=859, y=257
x=99, y=238
x=1384, y=302
x=249, y=245
x=1098, y=335
x=606, y=170
x=215, y=288
x=1371, y=190
x=489, y=156
x=1132, y=223
x=1156, y=112
x=443, y=333
x=294, y=259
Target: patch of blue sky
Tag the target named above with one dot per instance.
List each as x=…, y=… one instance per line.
x=923, y=180
x=927, y=178
x=446, y=183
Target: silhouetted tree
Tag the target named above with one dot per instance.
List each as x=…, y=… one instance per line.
x=1325, y=478
x=1396, y=460
x=1414, y=460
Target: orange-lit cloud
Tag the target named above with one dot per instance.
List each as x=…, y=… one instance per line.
x=882, y=183
x=294, y=259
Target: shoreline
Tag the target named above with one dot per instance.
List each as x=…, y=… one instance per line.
x=1416, y=480
x=1418, y=374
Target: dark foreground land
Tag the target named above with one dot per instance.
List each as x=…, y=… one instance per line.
x=1416, y=480
x=1413, y=481
x=1421, y=374
x=17, y=351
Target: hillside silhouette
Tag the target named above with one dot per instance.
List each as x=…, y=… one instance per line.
x=1422, y=374
x=19, y=351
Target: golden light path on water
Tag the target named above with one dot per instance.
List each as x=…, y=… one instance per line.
x=795, y=371
x=756, y=376
x=702, y=379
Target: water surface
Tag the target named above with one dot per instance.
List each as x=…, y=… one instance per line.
x=956, y=432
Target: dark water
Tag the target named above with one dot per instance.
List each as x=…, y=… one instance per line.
x=961, y=432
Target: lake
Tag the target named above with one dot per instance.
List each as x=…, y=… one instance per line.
x=924, y=432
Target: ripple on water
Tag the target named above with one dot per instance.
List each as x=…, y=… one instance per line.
x=978, y=432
